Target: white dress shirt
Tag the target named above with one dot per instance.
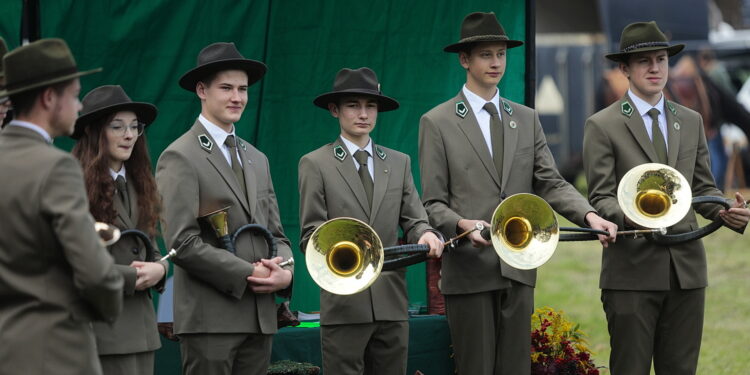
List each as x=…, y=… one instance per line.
x=643, y=107
x=354, y=148
x=477, y=103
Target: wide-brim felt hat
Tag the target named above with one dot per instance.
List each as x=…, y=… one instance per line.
x=38, y=64
x=356, y=82
x=221, y=56
x=643, y=37
x=481, y=27
x=108, y=99
x=3, y=51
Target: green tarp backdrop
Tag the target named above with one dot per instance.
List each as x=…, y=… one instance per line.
x=145, y=46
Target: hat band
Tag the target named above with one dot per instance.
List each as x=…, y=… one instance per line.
x=644, y=45
x=11, y=86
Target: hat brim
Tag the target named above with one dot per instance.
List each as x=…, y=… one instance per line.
x=465, y=43
x=48, y=82
x=146, y=113
x=622, y=56
x=255, y=71
x=385, y=103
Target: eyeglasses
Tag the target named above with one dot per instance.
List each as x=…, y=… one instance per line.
x=119, y=128
x=6, y=102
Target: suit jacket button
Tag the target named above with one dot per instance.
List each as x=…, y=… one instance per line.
x=135, y=250
x=503, y=195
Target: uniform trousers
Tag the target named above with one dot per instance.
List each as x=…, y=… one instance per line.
x=666, y=326
x=225, y=353
x=369, y=348
x=491, y=331
x=128, y=364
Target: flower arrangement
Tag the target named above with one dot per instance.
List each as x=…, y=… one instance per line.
x=558, y=346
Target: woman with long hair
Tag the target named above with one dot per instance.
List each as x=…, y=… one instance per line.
x=122, y=191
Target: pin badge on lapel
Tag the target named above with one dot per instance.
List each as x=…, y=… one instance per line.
x=461, y=109
x=339, y=153
x=242, y=144
x=671, y=108
x=626, y=108
x=507, y=108
x=512, y=124
x=676, y=126
x=205, y=142
x=380, y=152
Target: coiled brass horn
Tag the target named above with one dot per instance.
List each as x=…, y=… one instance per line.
x=344, y=256
x=219, y=222
x=108, y=234
x=524, y=231
x=654, y=195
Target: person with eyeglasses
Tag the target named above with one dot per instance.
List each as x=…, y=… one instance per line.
x=122, y=191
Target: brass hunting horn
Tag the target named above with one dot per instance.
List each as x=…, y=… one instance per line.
x=525, y=232
x=345, y=255
x=219, y=222
x=108, y=234
x=655, y=195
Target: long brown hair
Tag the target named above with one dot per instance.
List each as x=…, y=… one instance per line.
x=91, y=150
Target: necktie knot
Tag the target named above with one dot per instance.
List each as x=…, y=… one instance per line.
x=361, y=157
x=490, y=108
x=230, y=142
x=654, y=113
x=120, y=182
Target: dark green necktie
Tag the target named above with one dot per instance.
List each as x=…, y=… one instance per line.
x=122, y=191
x=364, y=173
x=236, y=166
x=657, y=138
x=496, y=135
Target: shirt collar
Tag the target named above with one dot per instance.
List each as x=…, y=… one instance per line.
x=354, y=148
x=120, y=173
x=217, y=133
x=477, y=102
x=34, y=127
x=643, y=107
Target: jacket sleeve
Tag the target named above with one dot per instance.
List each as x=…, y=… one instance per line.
x=435, y=176
x=413, y=218
x=312, y=200
x=64, y=201
x=598, y=165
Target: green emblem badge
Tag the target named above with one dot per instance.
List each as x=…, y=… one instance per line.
x=339, y=153
x=380, y=152
x=242, y=144
x=507, y=108
x=205, y=142
x=626, y=108
x=671, y=108
x=461, y=109
x=512, y=125
x=676, y=126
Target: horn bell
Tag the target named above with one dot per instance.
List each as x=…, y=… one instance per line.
x=108, y=234
x=344, y=256
x=654, y=195
x=524, y=231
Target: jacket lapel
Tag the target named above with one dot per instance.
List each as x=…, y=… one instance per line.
x=637, y=128
x=470, y=127
x=216, y=158
x=673, y=133
x=348, y=172
x=250, y=185
x=510, y=141
x=381, y=172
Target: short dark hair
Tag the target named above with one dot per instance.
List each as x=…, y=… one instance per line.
x=209, y=78
x=23, y=102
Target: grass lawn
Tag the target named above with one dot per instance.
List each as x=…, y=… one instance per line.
x=569, y=282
